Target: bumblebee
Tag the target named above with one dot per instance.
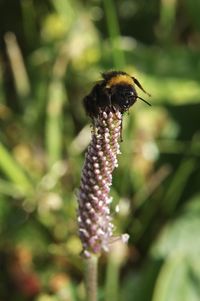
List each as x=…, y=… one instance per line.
x=116, y=91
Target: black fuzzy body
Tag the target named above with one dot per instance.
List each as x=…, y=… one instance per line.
x=120, y=96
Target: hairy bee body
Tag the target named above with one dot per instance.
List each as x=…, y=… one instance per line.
x=115, y=91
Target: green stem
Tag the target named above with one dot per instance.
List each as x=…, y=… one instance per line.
x=167, y=20
x=112, y=280
x=91, y=267
x=54, y=121
x=114, y=33
x=13, y=171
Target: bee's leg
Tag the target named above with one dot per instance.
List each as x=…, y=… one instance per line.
x=114, y=109
x=107, y=96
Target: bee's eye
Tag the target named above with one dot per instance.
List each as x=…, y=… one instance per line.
x=128, y=93
x=123, y=96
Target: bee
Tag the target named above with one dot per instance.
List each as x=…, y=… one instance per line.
x=116, y=91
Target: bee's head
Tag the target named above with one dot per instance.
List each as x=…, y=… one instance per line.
x=121, y=89
x=123, y=96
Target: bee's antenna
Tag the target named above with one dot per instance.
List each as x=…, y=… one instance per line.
x=140, y=86
x=144, y=100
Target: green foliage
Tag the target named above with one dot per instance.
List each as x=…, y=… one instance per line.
x=52, y=52
x=179, y=246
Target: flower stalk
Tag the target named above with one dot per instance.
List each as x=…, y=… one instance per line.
x=91, y=270
x=95, y=222
x=94, y=219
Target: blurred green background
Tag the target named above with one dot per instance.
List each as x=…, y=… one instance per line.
x=51, y=54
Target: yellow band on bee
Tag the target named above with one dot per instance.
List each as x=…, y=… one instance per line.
x=120, y=79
